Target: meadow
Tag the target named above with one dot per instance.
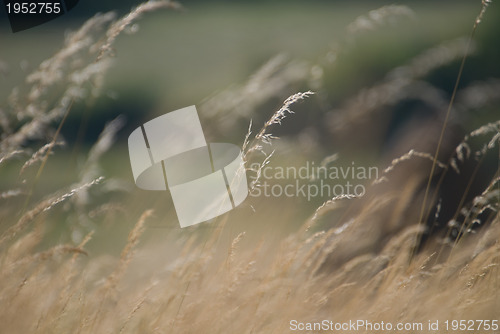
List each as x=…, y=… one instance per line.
x=409, y=90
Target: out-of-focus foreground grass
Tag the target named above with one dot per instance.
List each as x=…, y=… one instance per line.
x=83, y=250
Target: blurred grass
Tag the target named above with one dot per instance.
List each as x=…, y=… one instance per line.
x=176, y=59
x=179, y=58
x=184, y=57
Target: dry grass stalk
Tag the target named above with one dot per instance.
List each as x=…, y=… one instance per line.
x=379, y=17
x=448, y=113
x=127, y=253
x=484, y=6
x=40, y=154
x=265, y=137
x=118, y=27
x=200, y=293
x=407, y=156
x=398, y=84
x=463, y=150
x=479, y=94
x=10, y=155
x=327, y=206
x=103, y=144
x=274, y=80
x=232, y=249
x=12, y=193
x=42, y=207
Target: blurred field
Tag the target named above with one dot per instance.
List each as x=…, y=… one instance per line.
x=180, y=58
x=84, y=251
x=177, y=58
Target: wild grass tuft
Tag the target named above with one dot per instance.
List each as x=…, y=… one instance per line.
x=237, y=274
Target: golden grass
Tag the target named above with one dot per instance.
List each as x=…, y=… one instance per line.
x=228, y=280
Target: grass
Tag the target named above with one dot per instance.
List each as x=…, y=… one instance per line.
x=84, y=251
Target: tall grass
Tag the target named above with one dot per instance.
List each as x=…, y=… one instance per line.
x=370, y=263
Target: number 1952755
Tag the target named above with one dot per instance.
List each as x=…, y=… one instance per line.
x=34, y=8
x=471, y=325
